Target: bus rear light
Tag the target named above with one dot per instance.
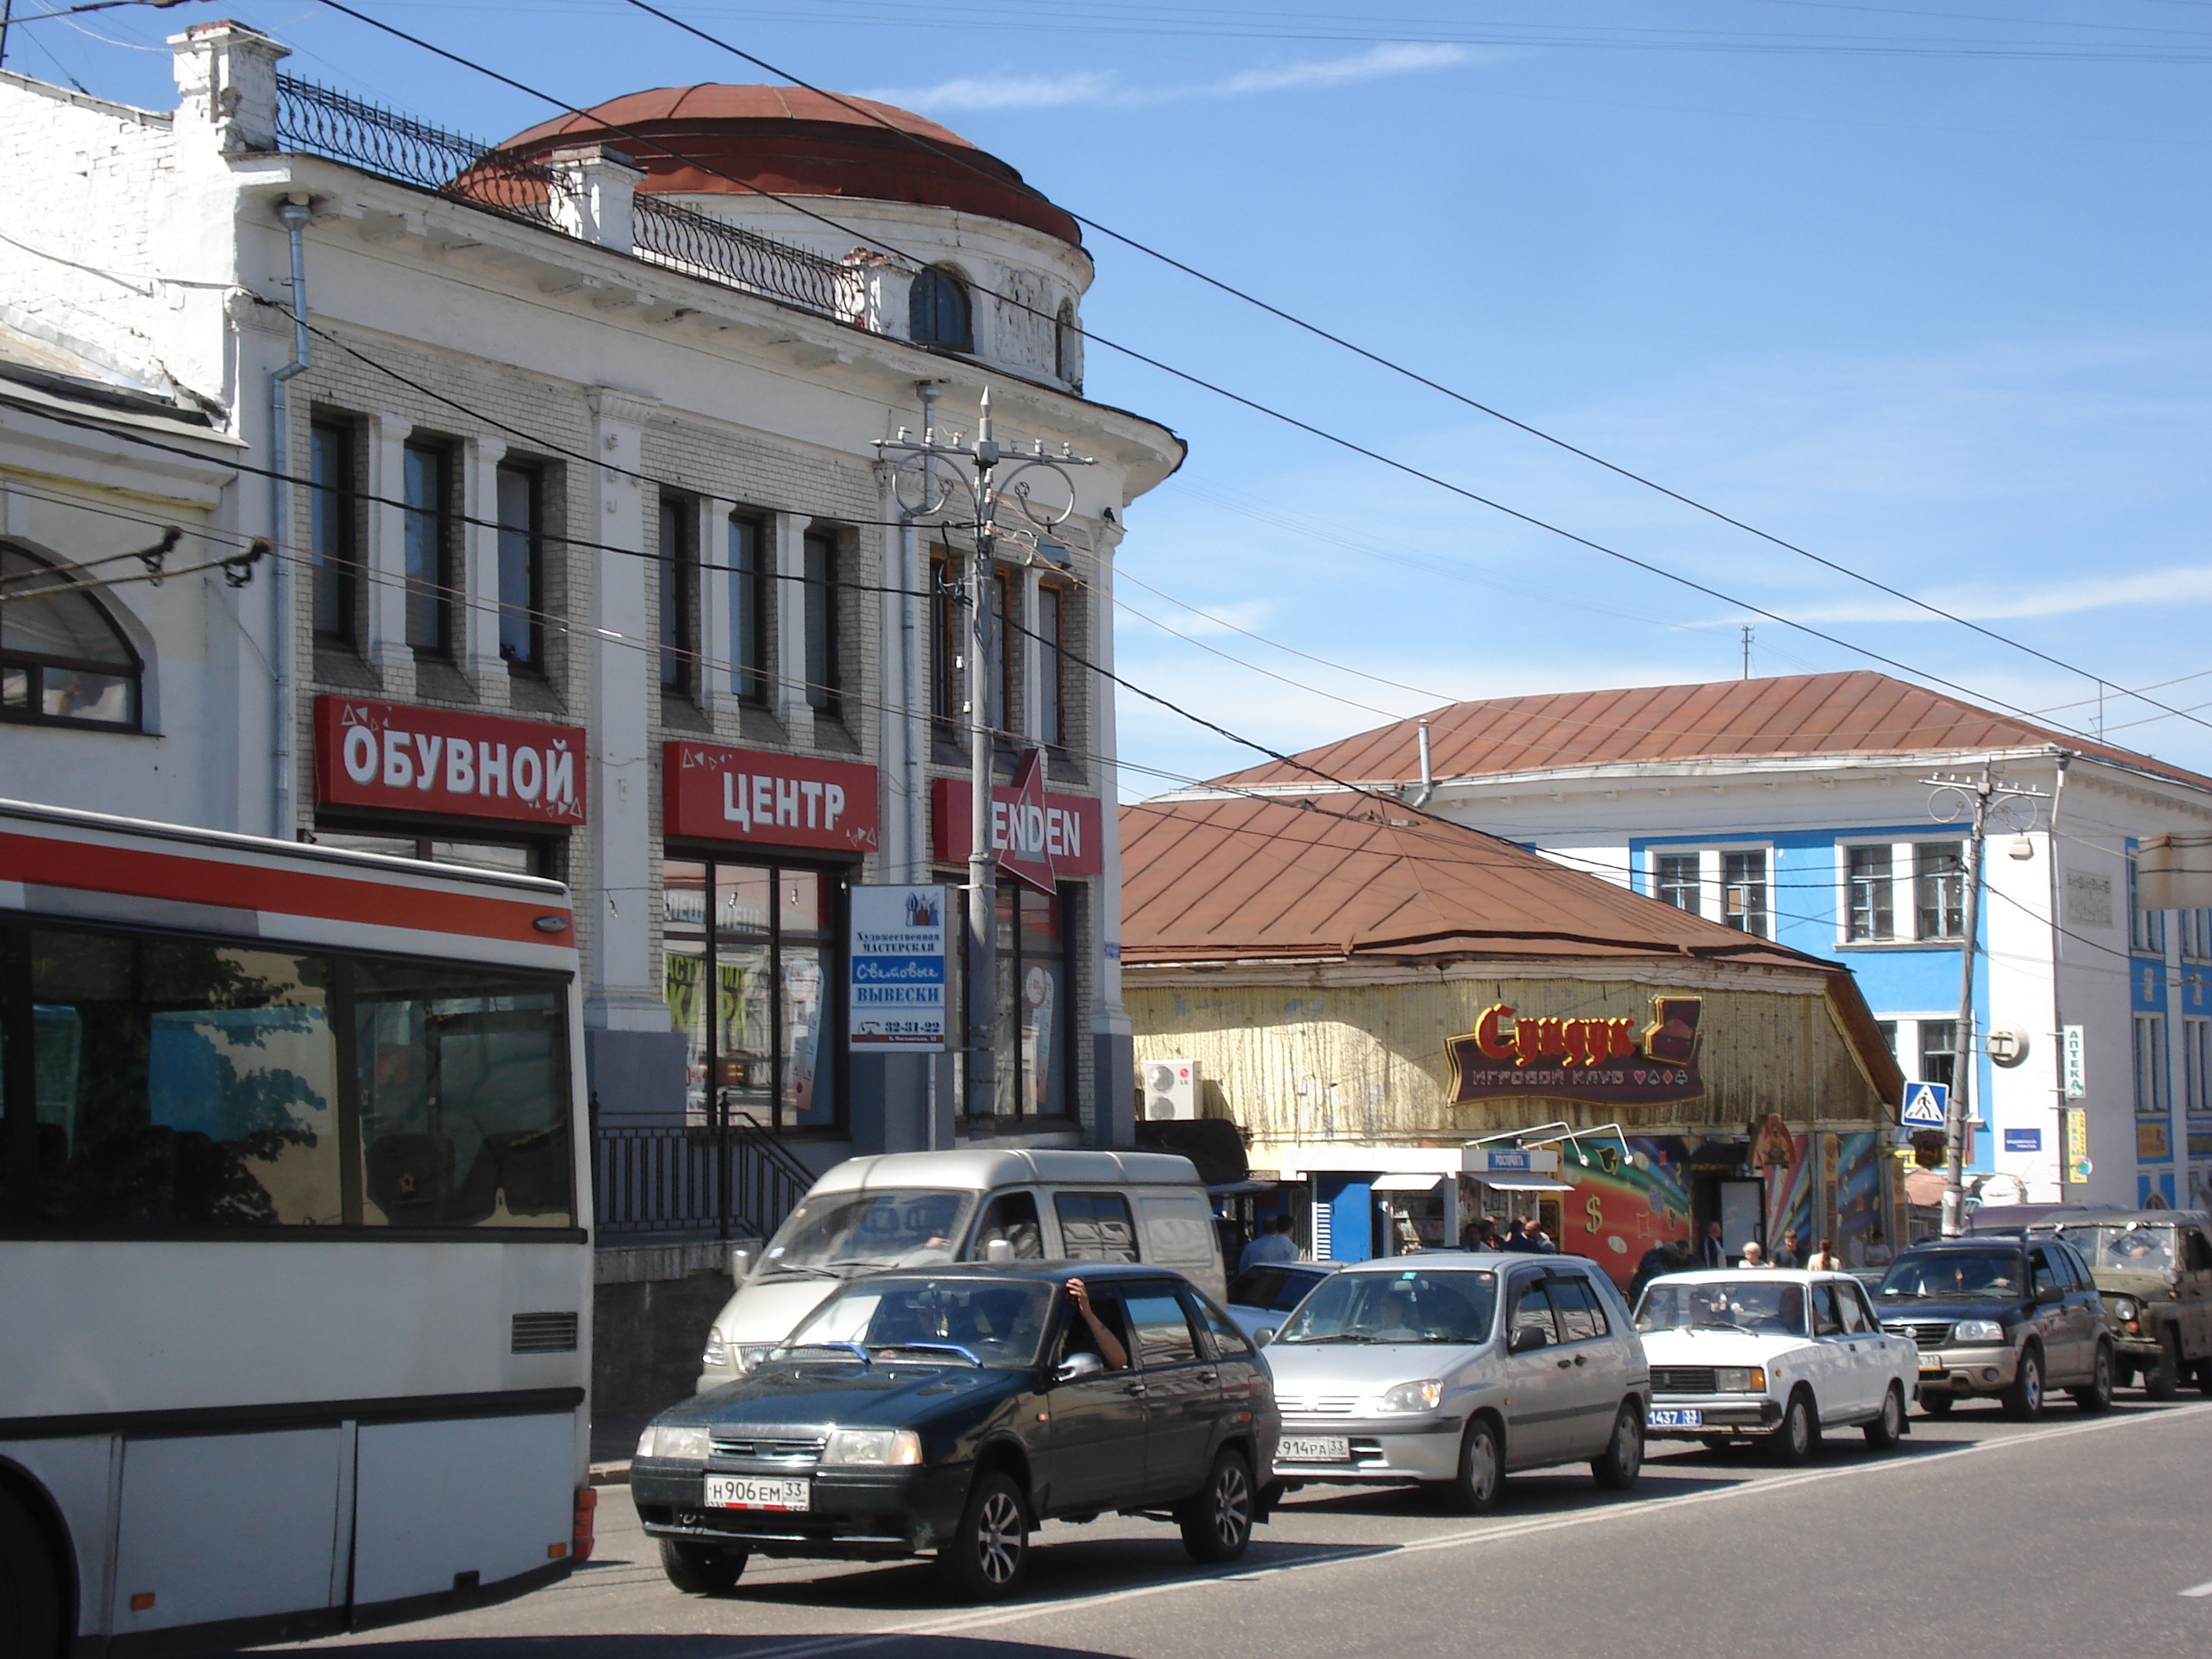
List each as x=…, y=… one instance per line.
x=551, y=924
x=555, y=1552
x=142, y=1602
x=582, y=1537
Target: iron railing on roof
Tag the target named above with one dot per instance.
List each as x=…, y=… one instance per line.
x=672, y=234
x=320, y=121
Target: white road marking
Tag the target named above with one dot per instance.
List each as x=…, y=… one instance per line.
x=1351, y=1555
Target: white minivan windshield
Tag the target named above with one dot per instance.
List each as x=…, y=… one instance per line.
x=841, y=1233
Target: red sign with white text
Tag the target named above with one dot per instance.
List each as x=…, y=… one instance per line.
x=710, y=791
x=1065, y=829
x=447, y=761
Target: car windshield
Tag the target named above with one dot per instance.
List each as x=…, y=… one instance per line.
x=1949, y=1275
x=1411, y=1306
x=2148, y=1247
x=996, y=1323
x=1759, y=1303
x=883, y=1227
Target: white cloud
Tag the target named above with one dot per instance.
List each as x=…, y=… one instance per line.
x=1093, y=87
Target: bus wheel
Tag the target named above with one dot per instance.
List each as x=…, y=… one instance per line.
x=30, y=1590
x=702, y=1569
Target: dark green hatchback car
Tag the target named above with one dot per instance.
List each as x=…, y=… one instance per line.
x=954, y=1412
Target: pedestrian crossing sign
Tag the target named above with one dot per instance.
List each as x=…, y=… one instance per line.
x=1927, y=1105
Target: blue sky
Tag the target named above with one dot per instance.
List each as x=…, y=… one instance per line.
x=1923, y=289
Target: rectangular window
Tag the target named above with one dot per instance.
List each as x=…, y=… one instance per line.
x=1094, y=1227
x=2196, y=1064
x=1743, y=892
x=751, y=609
x=948, y=645
x=679, y=594
x=1033, y=1025
x=521, y=568
x=1872, y=913
x=334, y=544
x=1939, y=888
x=2196, y=929
x=1678, y=881
x=428, y=534
x=1939, y=1051
x=750, y=970
x=1052, y=667
x=2146, y=929
x=1888, y=1029
x=1000, y=662
x=2151, y=1098
x=824, y=679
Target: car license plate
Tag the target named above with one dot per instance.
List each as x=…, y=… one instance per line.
x=1315, y=1448
x=744, y=1491
x=1675, y=1417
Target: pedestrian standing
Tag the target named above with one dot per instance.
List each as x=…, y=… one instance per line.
x=1754, y=1255
x=1274, y=1244
x=1877, y=1253
x=1825, y=1260
x=1785, y=1254
x=1711, y=1251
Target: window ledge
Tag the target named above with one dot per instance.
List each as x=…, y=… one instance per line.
x=1900, y=944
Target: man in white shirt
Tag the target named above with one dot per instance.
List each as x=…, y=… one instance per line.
x=1274, y=1244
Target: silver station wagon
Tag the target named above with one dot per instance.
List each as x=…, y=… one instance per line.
x=1450, y=1370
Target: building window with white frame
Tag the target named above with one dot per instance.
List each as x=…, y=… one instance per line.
x=1743, y=892
x=1939, y=889
x=1939, y=1052
x=1677, y=878
x=1871, y=903
x=2150, y=1064
x=2194, y=927
x=2146, y=929
x=2195, y=1064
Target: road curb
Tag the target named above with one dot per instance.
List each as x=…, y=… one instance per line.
x=611, y=1474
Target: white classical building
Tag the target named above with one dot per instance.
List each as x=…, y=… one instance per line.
x=579, y=556
x=1800, y=808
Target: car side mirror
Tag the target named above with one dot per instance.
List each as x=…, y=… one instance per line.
x=1263, y=1336
x=1527, y=1338
x=2045, y=1293
x=741, y=1262
x=1077, y=1366
x=998, y=1249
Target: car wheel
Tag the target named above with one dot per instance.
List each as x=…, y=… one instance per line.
x=1481, y=1477
x=1217, y=1524
x=1623, y=1459
x=699, y=1569
x=2163, y=1380
x=1793, y=1441
x=2098, y=1396
x=1938, y=1404
x=30, y=1592
x=1885, y=1430
x=2023, y=1401
x=990, y=1548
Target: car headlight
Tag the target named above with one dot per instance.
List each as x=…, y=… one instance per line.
x=876, y=1449
x=670, y=1440
x=2123, y=1308
x=1739, y=1379
x=1412, y=1397
x=1978, y=1330
x=717, y=1353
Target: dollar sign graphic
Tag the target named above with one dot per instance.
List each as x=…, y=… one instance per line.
x=1595, y=1212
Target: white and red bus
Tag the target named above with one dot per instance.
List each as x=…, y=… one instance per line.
x=295, y=1272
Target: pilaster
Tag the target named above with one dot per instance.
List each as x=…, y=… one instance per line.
x=383, y=604
x=479, y=619
x=790, y=704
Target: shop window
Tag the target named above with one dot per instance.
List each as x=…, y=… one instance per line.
x=1743, y=892
x=825, y=649
x=1873, y=909
x=1678, y=881
x=679, y=594
x=429, y=537
x=1939, y=884
x=2151, y=1098
x=522, y=567
x=1939, y=1051
x=62, y=660
x=334, y=531
x=939, y=312
x=508, y=858
x=1052, y=666
x=749, y=966
x=751, y=575
x=1033, y=1024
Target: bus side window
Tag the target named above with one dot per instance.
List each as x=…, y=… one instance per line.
x=1012, y=1216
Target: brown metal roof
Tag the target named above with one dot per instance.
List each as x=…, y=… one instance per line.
x=1240, y=878
x=1860, y=713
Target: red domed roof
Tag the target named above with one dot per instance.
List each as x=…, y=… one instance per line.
x=791, y=142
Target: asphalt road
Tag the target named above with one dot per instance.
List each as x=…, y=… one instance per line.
x=2076, y=1536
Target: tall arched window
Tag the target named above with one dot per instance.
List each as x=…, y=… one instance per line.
x=1066, y=352
x=938, y=312
x=62, y=660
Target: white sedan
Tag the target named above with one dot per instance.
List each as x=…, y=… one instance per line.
x=1771, y=1355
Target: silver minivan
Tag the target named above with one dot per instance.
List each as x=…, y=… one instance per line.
x=1449, y=1371
x=902, y=1210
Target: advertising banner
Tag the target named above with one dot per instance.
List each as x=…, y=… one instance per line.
x=1044, y=832
x=896, y=970
x=447, y=761
x=1607, y=1062
x=710, y=791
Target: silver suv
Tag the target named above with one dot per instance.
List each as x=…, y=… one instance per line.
x=1451, y=1370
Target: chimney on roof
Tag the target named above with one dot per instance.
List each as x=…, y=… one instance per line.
x=1419, y=796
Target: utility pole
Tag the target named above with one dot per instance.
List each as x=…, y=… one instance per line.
x=989, y=476
x=1748, y=628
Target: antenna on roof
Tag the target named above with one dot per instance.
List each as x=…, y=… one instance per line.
x=1749, y=629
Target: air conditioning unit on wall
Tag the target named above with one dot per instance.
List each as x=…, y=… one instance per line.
x=1170, y=1089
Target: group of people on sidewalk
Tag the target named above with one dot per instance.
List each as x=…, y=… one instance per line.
x=1682, y=1257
